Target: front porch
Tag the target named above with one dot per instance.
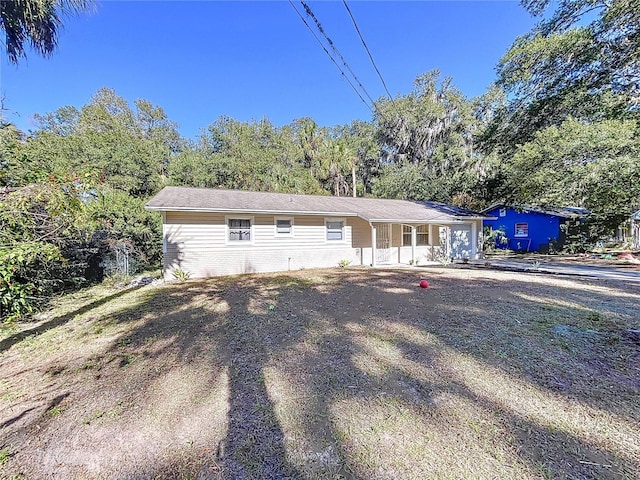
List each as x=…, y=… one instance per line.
x=418, y=244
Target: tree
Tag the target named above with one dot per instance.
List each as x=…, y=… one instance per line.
x=364, y=150
x=10, y=147
x=583, y=61
x=411, y=127
x=128, y=148
x=592, y=165
x=36, y=22
x=245, y=155
x=427, y=139
x=43, y=243
x=601, y=54
x=336, y=162
x=118, y=218
x=73, y=190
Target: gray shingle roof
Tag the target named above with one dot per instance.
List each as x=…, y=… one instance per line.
x=370, y=209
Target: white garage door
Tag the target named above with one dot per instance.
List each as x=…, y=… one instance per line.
x=461, y=244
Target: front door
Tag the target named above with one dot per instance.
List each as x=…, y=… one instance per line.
x=383, y=243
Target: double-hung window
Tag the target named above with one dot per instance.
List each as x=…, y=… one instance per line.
x=335, y=230
x=239, y=229
x=422, y=235
x=284, y=227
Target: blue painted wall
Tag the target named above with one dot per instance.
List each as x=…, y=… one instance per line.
x=543, y=228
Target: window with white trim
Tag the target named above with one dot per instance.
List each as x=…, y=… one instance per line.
x=422, y=235
x=406, y=235
x=521, y=230
x=284, y=226
x=239, y=229
x=335, y=230
x=502, y=212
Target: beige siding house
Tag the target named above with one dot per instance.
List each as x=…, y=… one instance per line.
x=211, y=232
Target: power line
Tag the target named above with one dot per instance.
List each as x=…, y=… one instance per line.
x=335, y=49
x=330, y=56
x=384, y=84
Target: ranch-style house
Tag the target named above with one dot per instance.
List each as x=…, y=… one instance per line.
x=211, y=232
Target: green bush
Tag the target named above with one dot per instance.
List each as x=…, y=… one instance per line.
x=119, y=218
x=492, y=238
x=23, y=281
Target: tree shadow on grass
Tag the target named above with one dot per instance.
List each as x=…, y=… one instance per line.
x=254, y=340
x=254, y=446
x=302, y=355
x=358, y=334
x=14, y=419
x=231, y=329
x=335, y=374
x=544, y=431
x=561, y=337
x=8, y=342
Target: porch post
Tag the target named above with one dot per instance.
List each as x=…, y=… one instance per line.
x=414, y=238
x=431, y=243
x=164, y=243
x=373, y=245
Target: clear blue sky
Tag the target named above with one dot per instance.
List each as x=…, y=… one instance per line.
x=199, y=60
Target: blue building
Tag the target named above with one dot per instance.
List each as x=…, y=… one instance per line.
x=530, y=229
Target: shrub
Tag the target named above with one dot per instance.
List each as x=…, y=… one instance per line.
x=122, y=222
x=576, y=237
x=24, y=279
x=494, y=238
x=181, y=275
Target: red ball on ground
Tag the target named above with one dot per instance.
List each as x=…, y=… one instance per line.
x=424, y=283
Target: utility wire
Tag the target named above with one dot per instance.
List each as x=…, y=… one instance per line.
x=331, y=57
x=364, y=44
x=310, y=13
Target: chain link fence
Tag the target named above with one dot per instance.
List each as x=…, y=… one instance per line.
x=120, y=261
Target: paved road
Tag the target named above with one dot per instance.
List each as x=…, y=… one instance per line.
x=629, y=274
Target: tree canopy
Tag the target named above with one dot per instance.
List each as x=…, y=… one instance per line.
x=585, y=164
x=427, y=142
x=562, y=120
x=581, y=61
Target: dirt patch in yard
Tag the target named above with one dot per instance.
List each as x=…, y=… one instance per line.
x=592, y=259
x=352, y=373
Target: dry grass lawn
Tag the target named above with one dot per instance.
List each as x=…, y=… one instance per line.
x=350, y=373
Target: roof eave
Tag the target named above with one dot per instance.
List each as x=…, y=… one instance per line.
x=492, y=207
x=246, y=211
x=439, y=220
x=442, y=221
x=464, y=219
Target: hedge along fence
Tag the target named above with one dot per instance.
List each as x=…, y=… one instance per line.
x=25, y=279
